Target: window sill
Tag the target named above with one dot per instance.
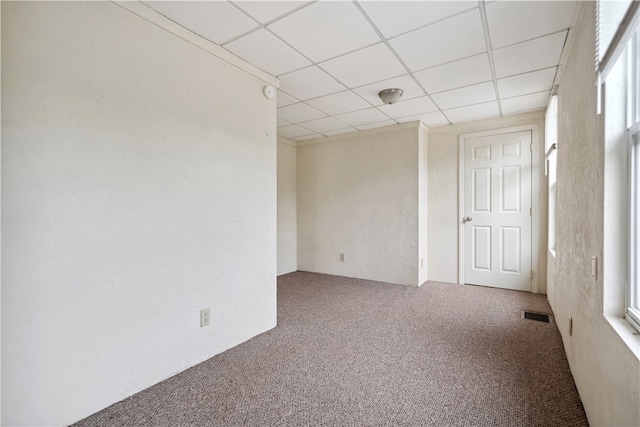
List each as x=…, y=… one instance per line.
x=627, y=333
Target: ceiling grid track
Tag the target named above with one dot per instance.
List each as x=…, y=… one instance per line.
x=487, y=39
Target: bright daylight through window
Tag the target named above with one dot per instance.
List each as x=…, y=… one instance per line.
x=633, y=122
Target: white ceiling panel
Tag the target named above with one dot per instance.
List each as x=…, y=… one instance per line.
x=464, y=72
x=529, y=56
x=324, y=125
x=217, y=21
x=307, y=137
x=340, y=131
x=326, y=29
x=407, y=108
x=396, y=17
x=362, y=117
x=309, y=83
x=267, y=11
x=520, y=104
x=267, y=52
x=454, y=38
x=468, y=95
x=473, y=112
x=285, y=99
x=406, y=83
x=297, y=113
x=377, y=125
x=339, y=103
x=363, y=66
x=431, y=119
x=293, y=131
x=515, y=22
x=332, y=58
x=525, y=84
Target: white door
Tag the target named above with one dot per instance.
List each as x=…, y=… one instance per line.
x=497, y=211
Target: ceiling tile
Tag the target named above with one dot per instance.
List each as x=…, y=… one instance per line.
x=410, y=107
x=339, y=103
x=267, y=52
x=473, y=112
x=324, y=125
x=529, y=56
x=293, y=131
x=377, y=125
x=306, y=137
x=362, y=117
x=409, y=87
x=514, y=22
x=464, y=72
x=309, y=83
x=520, y=104
x=282, y=123
x=430, y=119
x=300, y=112
x=445, y=41
x=468, y=95
x=364, y=66
x=326, y=29
x=217, y=21
x=284, y=99
x=340, y=131
x=396, y=17
x=525, y=84
x=267, y=11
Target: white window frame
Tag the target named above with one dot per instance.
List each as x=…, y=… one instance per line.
x=632, y=291
x=632, y=303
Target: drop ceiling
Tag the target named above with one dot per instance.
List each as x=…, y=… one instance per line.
x=456, y=61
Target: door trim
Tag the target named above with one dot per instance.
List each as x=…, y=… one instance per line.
x=535, y=193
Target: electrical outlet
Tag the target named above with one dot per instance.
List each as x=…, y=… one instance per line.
x=594, y=267
x=205, y=317
x=341, y=257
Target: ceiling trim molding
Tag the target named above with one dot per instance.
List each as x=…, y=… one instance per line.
x=146, y=13
x=384, y=129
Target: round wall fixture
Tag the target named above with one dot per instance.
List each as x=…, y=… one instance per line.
x=269, y=92
x=390, y=96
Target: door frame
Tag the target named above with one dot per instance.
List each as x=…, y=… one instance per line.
x=535, y=193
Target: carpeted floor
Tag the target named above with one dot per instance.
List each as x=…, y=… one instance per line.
x=361, y=353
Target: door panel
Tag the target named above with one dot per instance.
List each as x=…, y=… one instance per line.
x=497, y=203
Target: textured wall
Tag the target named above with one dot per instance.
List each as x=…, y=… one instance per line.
x=138, y=187
x=287, y=208
x=606, y=372
x=423, y=200
x=358, y=195
x=443, y=194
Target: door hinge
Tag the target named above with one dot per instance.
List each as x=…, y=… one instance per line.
x=531, y=275
x=531, y=147
x=530, y=211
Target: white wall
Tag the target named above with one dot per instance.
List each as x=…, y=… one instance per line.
x=287, y=207
x=138, y=187
x=605, y=369
x=358, y=195
x=443, y=222
x=423, y=204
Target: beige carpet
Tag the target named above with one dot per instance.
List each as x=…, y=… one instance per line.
x=356, y=352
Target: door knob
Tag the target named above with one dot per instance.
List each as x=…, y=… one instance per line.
x=467, y=219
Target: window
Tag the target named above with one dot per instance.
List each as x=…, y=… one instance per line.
x=551, y=145
x=618, y=66
x=632, y=309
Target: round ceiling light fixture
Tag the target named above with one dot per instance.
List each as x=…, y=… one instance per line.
x=390, y=96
